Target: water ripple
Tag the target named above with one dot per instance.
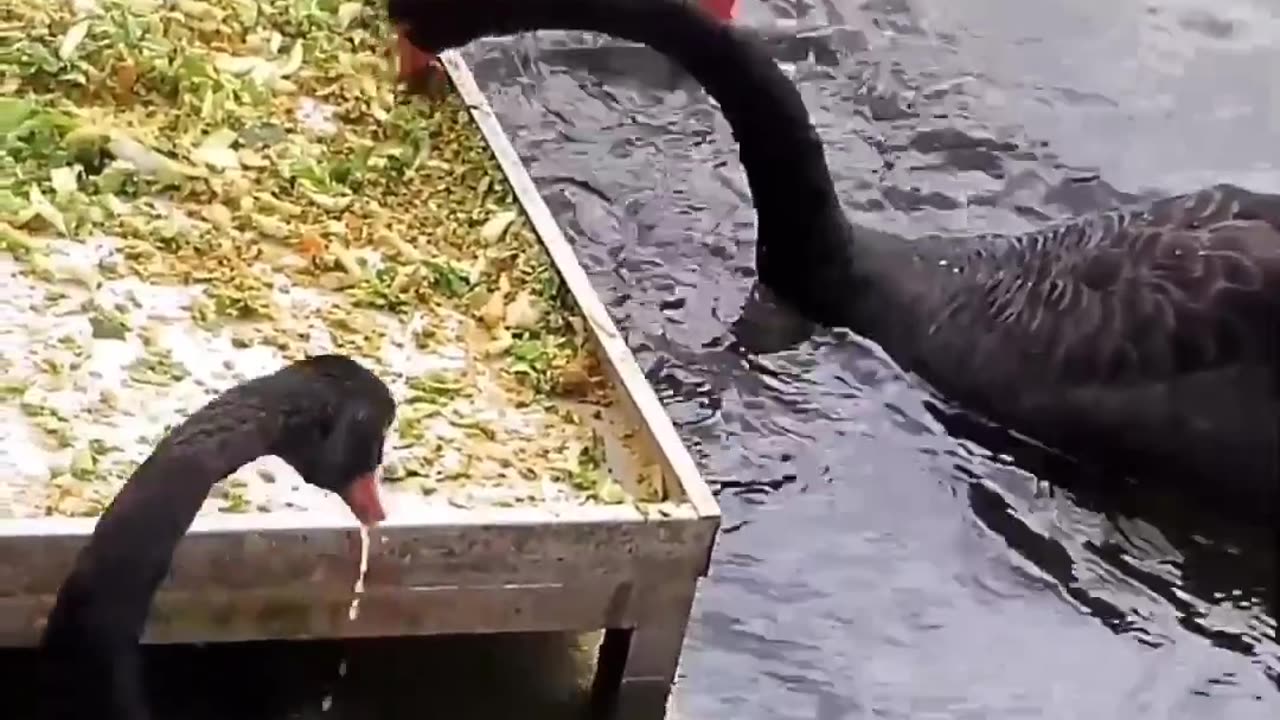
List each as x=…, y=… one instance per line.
x=885, y=555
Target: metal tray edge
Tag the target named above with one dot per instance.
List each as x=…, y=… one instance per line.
x=622, y=364
x=654, y=417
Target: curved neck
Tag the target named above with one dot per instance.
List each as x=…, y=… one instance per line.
x=781, y=152
x=101, y=609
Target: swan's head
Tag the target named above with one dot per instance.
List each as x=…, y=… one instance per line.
x=433, y=27
x=335, y=426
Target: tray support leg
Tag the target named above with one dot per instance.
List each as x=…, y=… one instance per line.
x=637, y=666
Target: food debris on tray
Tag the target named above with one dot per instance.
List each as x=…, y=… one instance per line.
x=195, y=192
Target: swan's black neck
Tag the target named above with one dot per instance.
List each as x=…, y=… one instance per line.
x=801, y=224
x=93, y=631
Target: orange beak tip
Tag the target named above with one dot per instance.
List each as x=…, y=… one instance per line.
x=363, y=498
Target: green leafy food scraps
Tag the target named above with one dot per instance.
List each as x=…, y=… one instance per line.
x=258, y=153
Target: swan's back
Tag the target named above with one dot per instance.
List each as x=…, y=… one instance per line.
x=1150, y=332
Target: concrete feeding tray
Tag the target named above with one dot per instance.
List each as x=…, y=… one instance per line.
x=443, y=562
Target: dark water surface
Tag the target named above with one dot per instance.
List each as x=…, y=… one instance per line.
x=876, y=562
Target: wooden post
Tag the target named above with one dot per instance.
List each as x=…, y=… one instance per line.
x=637, y=666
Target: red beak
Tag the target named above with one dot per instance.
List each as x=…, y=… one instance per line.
x=362, y=497
x=721, y=10
x=412, y=61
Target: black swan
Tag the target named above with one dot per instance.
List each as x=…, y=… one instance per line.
x=326, y=415
x=1144, y=338
x=420, y=69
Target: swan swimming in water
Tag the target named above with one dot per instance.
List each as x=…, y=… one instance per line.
x=1145, y=337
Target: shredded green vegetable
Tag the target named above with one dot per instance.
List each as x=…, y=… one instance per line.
x=256, y=151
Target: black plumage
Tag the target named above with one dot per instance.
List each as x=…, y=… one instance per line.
x=327, y=416
x=1145, y=336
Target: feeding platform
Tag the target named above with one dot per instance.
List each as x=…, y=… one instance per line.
x=195, y=193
